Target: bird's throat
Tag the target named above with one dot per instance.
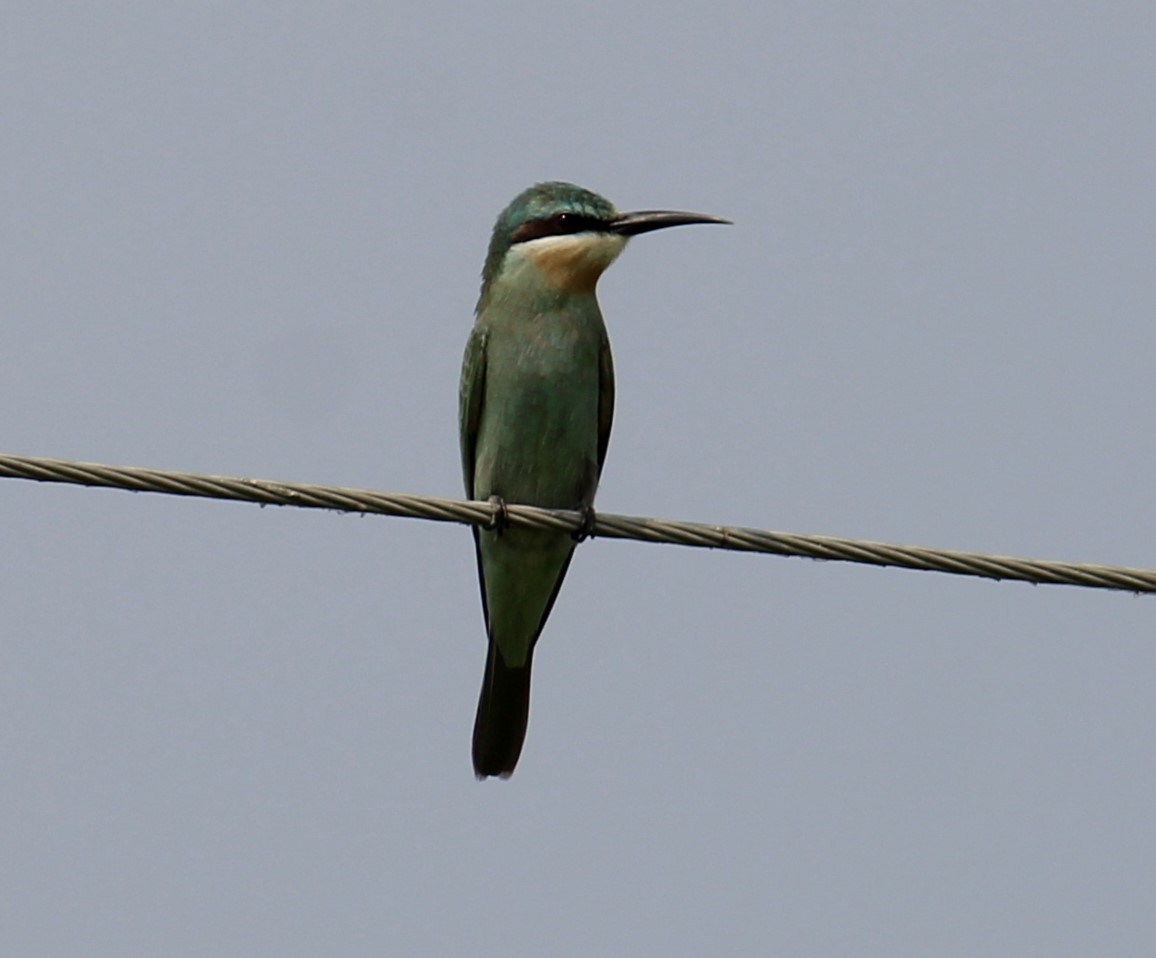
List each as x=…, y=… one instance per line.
x=571, y=263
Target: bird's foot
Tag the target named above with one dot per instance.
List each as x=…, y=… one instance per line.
x=501, y=515
x=586, y=529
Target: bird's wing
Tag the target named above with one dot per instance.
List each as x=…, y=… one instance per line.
x=471, y=391
x=605, y=398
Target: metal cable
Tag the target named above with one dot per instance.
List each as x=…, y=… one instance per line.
x=607, y=526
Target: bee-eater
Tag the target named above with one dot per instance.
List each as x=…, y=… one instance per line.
x=536, y=401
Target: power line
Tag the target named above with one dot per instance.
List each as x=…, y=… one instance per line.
x=606, y=526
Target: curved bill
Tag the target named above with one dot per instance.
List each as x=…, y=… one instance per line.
x=644, y=221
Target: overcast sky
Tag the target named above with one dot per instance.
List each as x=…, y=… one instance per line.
x=246, y=239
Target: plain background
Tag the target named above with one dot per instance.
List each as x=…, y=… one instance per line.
x=245, y=239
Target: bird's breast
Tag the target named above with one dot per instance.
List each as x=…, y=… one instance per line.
x=538, y=434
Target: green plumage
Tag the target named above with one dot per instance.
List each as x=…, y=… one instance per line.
x=537, y=398
x=536, y=403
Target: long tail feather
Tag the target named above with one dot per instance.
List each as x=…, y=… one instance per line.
x=503, y=713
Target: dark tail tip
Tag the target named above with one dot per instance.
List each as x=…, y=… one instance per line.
x=503, y=712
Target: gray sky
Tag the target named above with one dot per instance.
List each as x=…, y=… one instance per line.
x=246, y=238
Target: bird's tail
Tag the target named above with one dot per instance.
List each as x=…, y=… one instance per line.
x=503, y=712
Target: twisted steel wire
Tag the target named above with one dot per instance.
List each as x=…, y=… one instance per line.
x=608, y=526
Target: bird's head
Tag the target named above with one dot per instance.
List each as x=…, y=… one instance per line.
x=569, y=235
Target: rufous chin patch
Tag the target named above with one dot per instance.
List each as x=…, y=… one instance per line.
x=574, y=262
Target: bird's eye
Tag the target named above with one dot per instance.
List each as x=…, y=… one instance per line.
x=560, y=224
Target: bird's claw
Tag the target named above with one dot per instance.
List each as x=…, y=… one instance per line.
x=586, y=529
x=501, y=515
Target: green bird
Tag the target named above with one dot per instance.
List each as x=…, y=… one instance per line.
x=536, y=402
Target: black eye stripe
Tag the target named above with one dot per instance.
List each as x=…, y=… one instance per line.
x=561, y=224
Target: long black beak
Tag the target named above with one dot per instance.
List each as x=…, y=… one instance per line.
x=644, y=221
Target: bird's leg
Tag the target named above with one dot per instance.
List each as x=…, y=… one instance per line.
x=501, y=515
x=586, y=529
